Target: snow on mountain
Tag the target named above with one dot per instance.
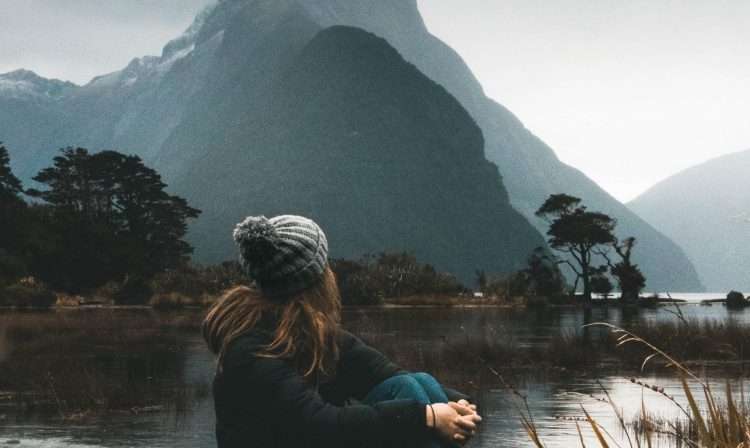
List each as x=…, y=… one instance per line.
x=25, y=84
x=153, y=68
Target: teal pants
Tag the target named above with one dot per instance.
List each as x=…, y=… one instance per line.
x=415, y=386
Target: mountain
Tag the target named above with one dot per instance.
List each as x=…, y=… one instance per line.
x=27, y=85
x=706, y=209
x=28, y=107
x=530, y=169
x=133, y=109
x=347, y=132
x=169, y=108
x=335, y=125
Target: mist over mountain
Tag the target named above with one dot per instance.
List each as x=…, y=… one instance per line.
x=193, y=108
x=706, y=210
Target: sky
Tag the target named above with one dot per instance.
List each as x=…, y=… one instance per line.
x=76, y=40
x=629, y=92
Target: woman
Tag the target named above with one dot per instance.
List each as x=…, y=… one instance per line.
x=288, y=375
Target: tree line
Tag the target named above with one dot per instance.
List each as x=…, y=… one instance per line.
x=94, y=218
x=102, y=223
x=105, y=217
x=584, y=241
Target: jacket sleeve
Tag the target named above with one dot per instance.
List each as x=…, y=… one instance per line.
x=275, y=387
x=361, y=367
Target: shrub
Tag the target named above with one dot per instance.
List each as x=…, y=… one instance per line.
x=541, y=278
x=542, y=275
x=389, y=275
x=169, y=301
x=11, y=268
x=133, y=291
x=735, y=299
x=508, y=286
x=27, y=295
x=361, y=289
x=601, y=284
x=193, y=280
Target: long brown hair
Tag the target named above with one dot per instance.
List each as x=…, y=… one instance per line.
x=305, y=324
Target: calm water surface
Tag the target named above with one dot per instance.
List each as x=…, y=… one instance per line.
x=551, y=400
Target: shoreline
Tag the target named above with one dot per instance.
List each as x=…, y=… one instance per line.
x=402, y=303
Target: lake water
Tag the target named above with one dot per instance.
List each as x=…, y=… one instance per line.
x=185, y=362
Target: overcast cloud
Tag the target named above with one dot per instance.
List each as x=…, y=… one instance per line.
x=627, y=91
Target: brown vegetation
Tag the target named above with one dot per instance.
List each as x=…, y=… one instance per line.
x=27, y=293
x=78, y=362
x=373, y=278
x=723, y=422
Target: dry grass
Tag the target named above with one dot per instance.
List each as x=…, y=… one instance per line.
x=454, y=301
x=88, y=361
x=690, y=341
x=460, y=359
x=176, y=301
x=592, y=351
x=722, y=422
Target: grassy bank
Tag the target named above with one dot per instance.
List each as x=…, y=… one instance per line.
x=712, y=343
x=721, y=421
x=82, y=362
x=705, y=342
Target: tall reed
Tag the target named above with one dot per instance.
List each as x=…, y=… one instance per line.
x=722, y=421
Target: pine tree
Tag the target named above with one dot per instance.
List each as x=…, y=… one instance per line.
x=114, y=217
x=12, y=209
x=10, y=186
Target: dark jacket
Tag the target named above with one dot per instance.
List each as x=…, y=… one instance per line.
x=265, y=403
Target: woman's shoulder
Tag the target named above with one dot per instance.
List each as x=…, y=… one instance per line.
x=350, y=344
x=244, y=347
x=346, y=339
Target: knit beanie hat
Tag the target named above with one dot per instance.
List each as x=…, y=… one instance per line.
x=284, y=254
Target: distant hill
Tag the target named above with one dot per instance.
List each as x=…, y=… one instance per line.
x=152, y=107
x=706, y=210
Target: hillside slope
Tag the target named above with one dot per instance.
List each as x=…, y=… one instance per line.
x=706, y=210
x=350, y=134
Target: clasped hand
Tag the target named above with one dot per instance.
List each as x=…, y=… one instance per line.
x=455, y=421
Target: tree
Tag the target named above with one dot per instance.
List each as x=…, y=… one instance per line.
x=114, y=219
x=629, y=277
x=12, y=226
x=575, y=232
x=543, y=278
x=10, y=186
x=601, y=284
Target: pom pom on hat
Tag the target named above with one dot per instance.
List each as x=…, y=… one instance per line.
x=254, y=228
x=257, y=240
